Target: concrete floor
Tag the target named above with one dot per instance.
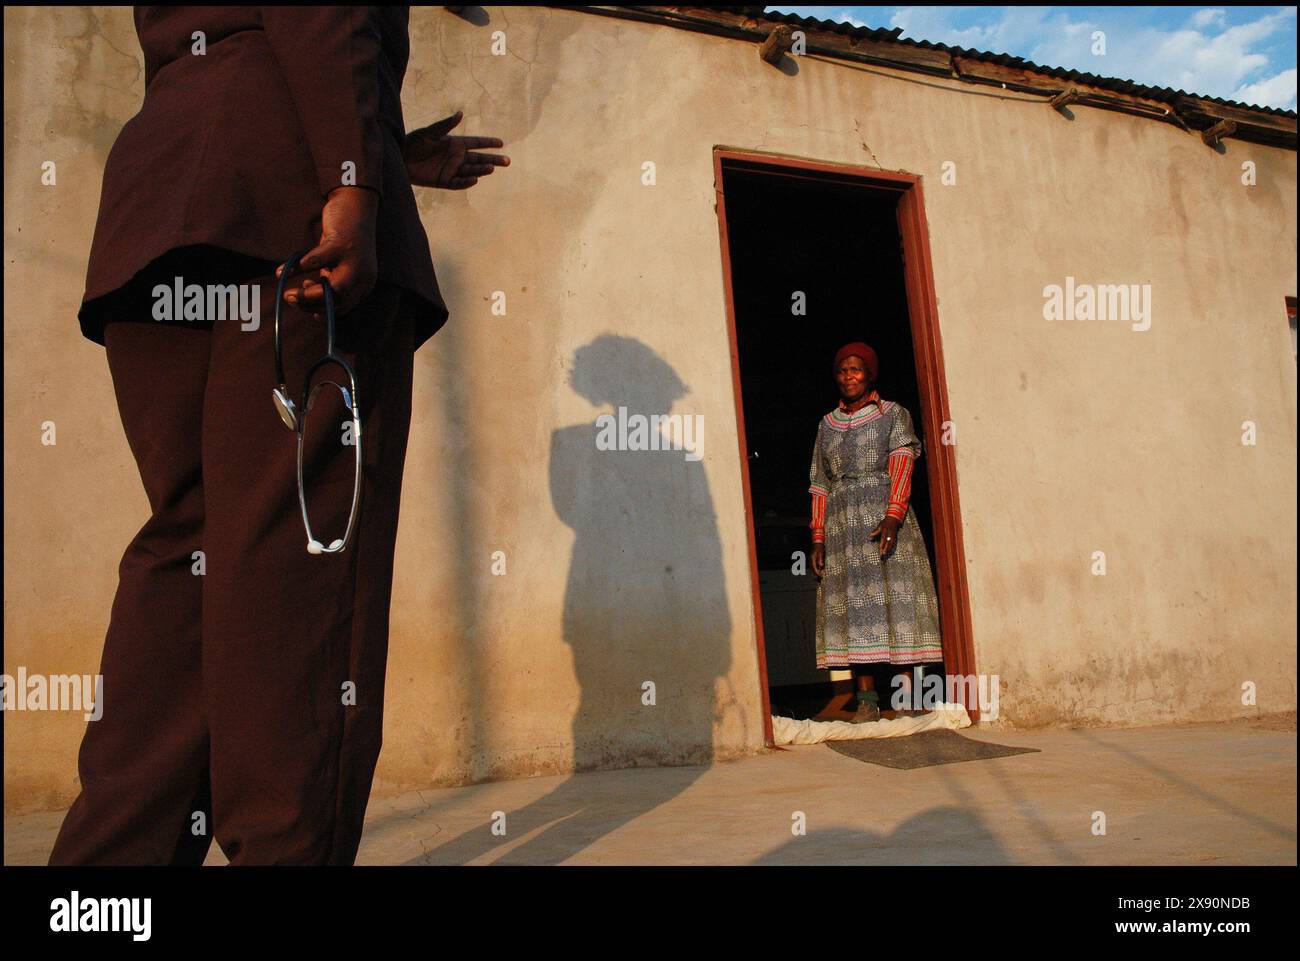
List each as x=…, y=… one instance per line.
x=1185, y=794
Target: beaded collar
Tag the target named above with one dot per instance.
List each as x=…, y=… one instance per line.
x=841, y=419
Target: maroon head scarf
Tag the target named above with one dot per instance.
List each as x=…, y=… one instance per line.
x=857, y=349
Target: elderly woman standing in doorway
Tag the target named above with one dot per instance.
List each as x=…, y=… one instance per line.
x=876, y=601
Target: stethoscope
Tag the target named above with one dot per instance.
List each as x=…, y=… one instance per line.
x=296, y=421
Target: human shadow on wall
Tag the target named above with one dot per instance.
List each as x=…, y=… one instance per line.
x=645, y=603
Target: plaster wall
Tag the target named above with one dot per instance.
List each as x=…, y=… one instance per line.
x=621, y=568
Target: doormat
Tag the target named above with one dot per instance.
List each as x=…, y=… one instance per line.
x=925, y=749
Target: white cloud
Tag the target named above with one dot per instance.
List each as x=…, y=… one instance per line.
x=1277, y=91
x=1215, y=64
x=933, y=24
x=1202, y=56
x=1209, y=16
x=1207, y=57
x=1035, y=33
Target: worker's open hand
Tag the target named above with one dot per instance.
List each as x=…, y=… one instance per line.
x=345, y=255
x=435, y=158
x=887, y=531
x=819, y=559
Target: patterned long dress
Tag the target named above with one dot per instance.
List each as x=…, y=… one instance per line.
x=870, y=610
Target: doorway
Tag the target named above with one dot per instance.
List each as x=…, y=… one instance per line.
x=816, y=255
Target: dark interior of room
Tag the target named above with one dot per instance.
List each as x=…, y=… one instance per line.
x=838, y=242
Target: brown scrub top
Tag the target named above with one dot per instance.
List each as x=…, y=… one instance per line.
x=236, y=148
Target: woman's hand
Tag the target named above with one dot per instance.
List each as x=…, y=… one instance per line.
x=819, y=559
x=345, y=255
x=887, y=531
x=435, y=158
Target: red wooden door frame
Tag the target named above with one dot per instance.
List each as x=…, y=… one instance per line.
x=941, y=466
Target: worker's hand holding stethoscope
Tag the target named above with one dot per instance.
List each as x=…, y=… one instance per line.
x=346, y=268
x=345, y=255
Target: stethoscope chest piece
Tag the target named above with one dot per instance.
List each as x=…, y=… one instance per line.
x=284, y=405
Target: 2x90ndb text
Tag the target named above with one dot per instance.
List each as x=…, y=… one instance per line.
x=1191, y=903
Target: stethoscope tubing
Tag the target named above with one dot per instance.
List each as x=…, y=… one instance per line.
x=298, y=415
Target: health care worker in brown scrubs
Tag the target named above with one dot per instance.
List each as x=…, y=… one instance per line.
x=244, y=676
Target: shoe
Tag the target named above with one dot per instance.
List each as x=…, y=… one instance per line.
x=867, y=713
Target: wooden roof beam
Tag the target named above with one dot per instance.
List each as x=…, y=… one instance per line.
x=1063, y=100
x=1220, y=130
x=777, y=44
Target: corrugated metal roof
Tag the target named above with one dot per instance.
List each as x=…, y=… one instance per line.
x=1163, y=94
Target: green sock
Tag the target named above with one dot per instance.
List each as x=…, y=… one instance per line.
x=868, y=697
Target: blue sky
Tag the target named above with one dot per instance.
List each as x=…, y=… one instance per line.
x=1238, y=53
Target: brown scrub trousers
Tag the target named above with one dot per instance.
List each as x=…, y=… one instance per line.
x=227, y=704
